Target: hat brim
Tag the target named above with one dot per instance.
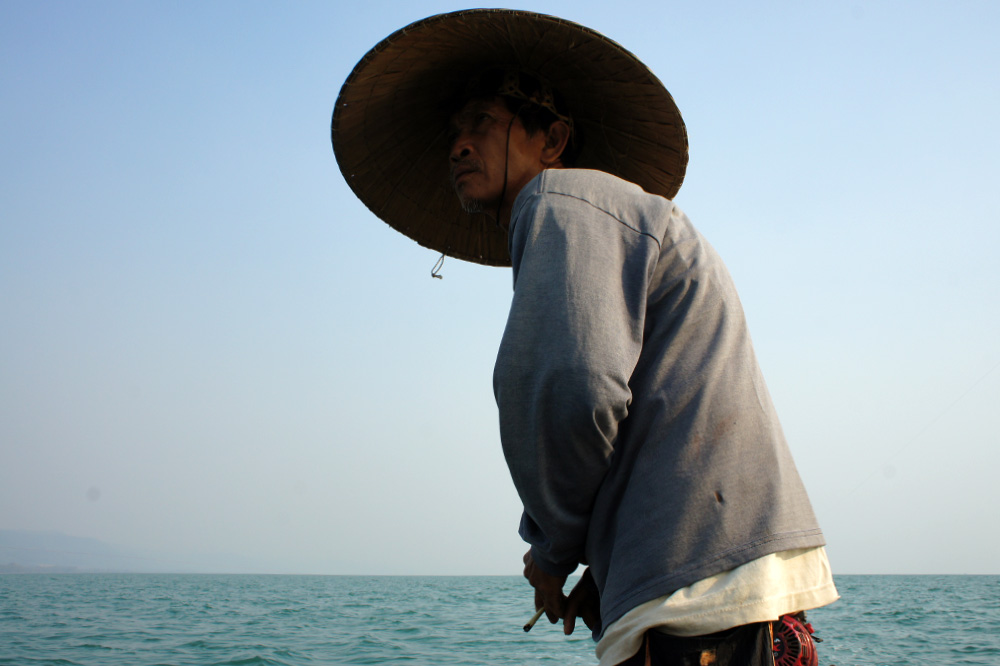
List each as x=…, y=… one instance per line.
x=389, y=127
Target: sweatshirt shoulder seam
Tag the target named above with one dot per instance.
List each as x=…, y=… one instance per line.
x=599, y=208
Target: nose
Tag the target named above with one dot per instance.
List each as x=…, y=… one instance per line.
x=460, y=148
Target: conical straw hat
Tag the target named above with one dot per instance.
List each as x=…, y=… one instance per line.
x=390, y=123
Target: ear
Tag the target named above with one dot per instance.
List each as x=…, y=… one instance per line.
x=556, y=138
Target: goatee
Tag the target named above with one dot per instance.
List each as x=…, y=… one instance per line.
x=472, y=205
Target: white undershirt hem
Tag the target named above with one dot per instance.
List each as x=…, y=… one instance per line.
x=761, y=590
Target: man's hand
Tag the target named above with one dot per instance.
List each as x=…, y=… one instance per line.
x=548, y=590
x=584, y=601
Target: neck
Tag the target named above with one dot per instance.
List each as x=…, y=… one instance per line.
x=501, y=213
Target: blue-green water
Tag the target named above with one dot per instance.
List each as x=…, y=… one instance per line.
x=136, y=619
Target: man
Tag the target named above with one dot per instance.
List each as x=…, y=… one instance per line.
x=636, y=425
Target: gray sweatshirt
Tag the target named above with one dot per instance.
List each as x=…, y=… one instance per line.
x=635, y=421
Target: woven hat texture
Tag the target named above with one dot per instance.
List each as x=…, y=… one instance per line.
x=390, y=122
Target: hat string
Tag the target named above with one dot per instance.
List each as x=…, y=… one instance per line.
x=506, y=165
x=436, y=271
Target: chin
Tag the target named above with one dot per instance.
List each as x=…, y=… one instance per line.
x=472, y=205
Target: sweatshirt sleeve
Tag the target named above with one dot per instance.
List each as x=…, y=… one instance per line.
x=561, y=379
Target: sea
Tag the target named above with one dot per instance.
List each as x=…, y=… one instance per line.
x=246, y=620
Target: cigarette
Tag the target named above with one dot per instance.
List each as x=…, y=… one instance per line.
x=534, y=619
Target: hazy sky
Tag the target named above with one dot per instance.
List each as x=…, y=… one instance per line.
x=208, y=345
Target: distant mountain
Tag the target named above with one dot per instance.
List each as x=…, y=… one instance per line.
x=20, y=569
x=23, y=551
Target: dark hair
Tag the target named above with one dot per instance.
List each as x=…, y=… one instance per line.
x=529, y=98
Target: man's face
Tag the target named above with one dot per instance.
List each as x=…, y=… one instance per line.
x=480, y=153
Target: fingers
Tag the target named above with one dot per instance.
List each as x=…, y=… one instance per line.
x=592, y=618
x=569, y=621
x=583, y=601
x=548, y=590
x=573, y=609
x=553, y=601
